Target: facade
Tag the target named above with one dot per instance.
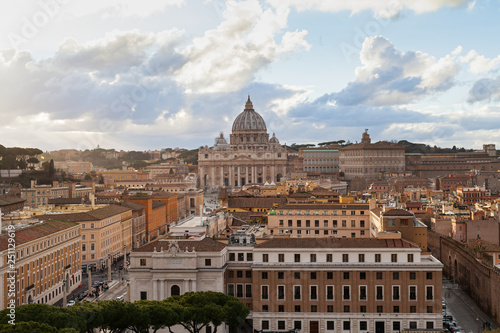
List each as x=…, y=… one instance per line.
x=48, y=257
x=368, y=160
x=472, y=195
x=250, y=156
x=74, y=167
x=10, y=204
x=314, y=285
x=138, y=223
x=321, y=220
x=156, y=215
x=39, y=195
x=324, y=160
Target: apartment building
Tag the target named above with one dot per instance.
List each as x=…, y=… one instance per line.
x=321, y=220
x=47, y=258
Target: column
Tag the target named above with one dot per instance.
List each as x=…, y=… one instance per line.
x=155, y=290
x=162, y=290
x=193, y=285
x=221, y=175
x=212, y=169
x=186, y=286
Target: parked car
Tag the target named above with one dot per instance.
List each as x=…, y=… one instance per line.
x=71, y=303
x=120, y=298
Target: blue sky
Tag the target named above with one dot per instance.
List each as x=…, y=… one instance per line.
x=155, y=74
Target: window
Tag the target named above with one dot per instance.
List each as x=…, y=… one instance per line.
x=265, y=292
x=362, y=293
x=297, y=308
x=362, y=275
x=314, y=292
x=329, y=308
x=281, y=257
x=265, y=257
x=346, y=325
x=325, y=223
x=281, y=275
x=241, y=256
x=378, y=257
x=329, y=257
x=313, y=257
x=353, y=224
x=316, y=223
x=290, y=223
x=335, y=223
x=297, y=324
x=413, y=293
x=265, y=324
x=281, y=308
x=248, y=291
x=208, y=262
x=429, y=275
x=395, y=293
x=379, y=275
x=363, y=325
x=429, y=309
x=345, y=257
x=264, y=275
x=296, y=292
x=379, y=293
x=143, y=262
x=239, y=274
x=281, y=223
x=380, y=309
x=347, y=308
x=413, y=276
x=144, y=295
x=308, y=223
x=361, y=257
x=410, y=257
x=362, y=309
x=281, y=324
x=299, y=223
x=413, y=324
x=329, y=293
x=330, y=325
x=231, y=257
x=239, y=290
x=314, y=308
x=265, y=308
x=429, y=324
x=346, y=293
x=429, y=293
x=394, y=257
x=296, y=275
x=344, y=223
x=395, y=275
x=313, y=275
x=230, y=289
x=413, y=309
x=396, y=325
x=281, y=292
x=248, y=274
x=297, y=257
x=329, y=275
x=362, y=224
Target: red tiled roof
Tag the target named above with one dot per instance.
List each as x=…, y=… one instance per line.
x=280, y=242
x=6, y=201
x=132, y=205
x=34, y=232
x=319, y=206
x=397, y=212
x=92, y=215
x=254, y=202
x=204, y=245
x=66, y=201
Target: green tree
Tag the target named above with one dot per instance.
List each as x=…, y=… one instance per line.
x=114, y=315
x=9, y=162
x=199, y=309
x=28, y=326
x=90, y=312
x=33, y=160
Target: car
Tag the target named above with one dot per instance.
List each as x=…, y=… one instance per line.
x=120, y=298
x=449, y=317
x=444, y=304
x=71, y=303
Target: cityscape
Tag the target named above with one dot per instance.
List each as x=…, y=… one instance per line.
x=181, y=167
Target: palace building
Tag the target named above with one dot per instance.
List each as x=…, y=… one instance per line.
x=250, y=156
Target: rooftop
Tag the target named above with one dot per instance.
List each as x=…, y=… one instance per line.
x=204, y=245
x=310, y=243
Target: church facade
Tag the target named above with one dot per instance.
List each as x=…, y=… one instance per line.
x=250, y=157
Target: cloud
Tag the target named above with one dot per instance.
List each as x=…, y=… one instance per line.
x=382, y=8
x=391, y=77
x=484, y=89
x=479, y=64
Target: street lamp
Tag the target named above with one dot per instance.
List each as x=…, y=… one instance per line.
x=64, y=293
x=478, y=327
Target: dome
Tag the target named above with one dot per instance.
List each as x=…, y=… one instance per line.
x=274, y=139
x=220, y=140
x=249, y=120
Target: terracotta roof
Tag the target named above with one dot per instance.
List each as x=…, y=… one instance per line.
x=6, y=201
x=322, y=191
x=241, y=193
x=246, y=216
x=255, y=202
x=158, y=204
x=34, y=232
x=415, y=204
x=397, y=212
x=204, y=245
x=319, y=206
x=132, y=205
x=66, y=201
x=281, y=242
x=92, y=215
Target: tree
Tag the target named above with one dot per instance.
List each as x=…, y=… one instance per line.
x=33, y=160
x=9, y=162
x=88, y=176
x=90, y=312
x=114, y=315
x=199, y=309
x=28, y=326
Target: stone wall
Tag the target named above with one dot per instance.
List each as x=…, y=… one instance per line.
x=481, y=282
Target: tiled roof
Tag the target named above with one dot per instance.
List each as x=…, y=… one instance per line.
x=92, y=215
x=397, y=212
x=255, y=202
x=322, y=191
x=66, y=201
x=6, y=201
x=281, y=242
x=34, y=232
x=320, y=206
x=241, y=193
x=377, y=145
x=132, y=205
x=204, y=245
x=158, y=204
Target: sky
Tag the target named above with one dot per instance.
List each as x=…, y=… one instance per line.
x=143, y=75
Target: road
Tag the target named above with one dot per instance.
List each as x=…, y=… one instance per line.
x=463, y=309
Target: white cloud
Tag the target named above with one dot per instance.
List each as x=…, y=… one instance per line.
x=120, y=8
x=382, y=8
x=479, y=64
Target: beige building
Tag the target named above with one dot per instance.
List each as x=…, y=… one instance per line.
x=368, y=160
x=322, y=160
x=47, y=258
x=321, y=220
x=74, y=167
x=250, y=156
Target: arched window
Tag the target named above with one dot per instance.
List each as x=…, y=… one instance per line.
x=175, y=290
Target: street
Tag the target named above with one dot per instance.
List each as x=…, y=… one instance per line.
x=465, y=312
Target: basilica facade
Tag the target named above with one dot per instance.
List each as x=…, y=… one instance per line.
x=250, y=156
